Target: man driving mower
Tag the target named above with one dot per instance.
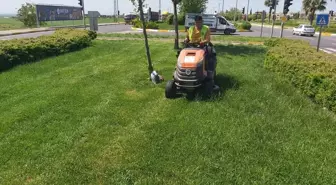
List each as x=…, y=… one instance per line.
x=200, y=34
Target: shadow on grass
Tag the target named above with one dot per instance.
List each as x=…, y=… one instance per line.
x=239, y=50
x=222, y=34
x=225, y=83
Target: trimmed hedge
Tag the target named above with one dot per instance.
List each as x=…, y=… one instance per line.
x=331, y=29
x=149, y=25
x=170, y=19
x=21, y=51
x=314, y=73
x=246, y=25
x=243, y=25
x=180, y=19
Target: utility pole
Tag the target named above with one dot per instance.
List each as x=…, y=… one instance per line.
x=116, y=9
x=235, y=16
x=81, y=3
x=160, y=13
x=273, y=17
x=84, y=15
x=223, y=6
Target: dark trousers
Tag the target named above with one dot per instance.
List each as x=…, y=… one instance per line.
x=211, y=58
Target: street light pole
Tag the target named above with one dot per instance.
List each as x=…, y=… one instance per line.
x=223, y=6
x=248, y=9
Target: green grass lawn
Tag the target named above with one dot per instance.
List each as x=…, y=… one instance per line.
x=92, y=117
x=214, y=37
x=165, y=26
x=11, y=24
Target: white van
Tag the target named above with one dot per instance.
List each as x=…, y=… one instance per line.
x=215, y=22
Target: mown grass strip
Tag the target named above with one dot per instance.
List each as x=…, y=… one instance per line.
x=92, y=117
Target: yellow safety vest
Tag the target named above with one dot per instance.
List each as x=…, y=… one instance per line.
x=204, y=31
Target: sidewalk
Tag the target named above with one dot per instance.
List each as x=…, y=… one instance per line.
x=173, y=31
x=22, y=31
x=270, y=26
x=34, y=30
x=156, y=30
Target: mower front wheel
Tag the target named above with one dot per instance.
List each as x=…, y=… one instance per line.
x=171, y=89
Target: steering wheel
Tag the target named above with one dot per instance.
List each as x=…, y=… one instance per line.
x=195, y=45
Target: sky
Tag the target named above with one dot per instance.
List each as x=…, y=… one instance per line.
x=106, y=6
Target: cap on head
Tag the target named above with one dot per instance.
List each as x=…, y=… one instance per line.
x=198, y=18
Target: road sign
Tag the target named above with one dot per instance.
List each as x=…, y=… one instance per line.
x=322, y=20
x=263, y=15
x=284, y=18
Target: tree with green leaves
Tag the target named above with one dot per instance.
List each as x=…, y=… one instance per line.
x=27, y=15
x=230, y=14
x=192, y=6
x=139, y=4
x=269, y=4
x=311, y=6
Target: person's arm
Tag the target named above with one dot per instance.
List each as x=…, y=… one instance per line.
x=208, y=36
x=187, y=37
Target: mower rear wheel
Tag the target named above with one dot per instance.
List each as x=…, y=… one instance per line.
x=171, y=89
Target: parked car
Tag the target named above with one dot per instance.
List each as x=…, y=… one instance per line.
x=216, y=23
x=303, y=29
x=129, y=17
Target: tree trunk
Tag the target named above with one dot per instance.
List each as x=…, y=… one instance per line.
x=269, y=15
x=176, y=27
x=150, y=66
x=311, y=18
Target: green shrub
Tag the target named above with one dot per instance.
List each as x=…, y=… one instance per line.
x=181, y=19
x=152, y=25
x=20, y=51
x=170, y=19
x=245, y=25
x=330, y=29
x=149, y=25
x=92, y=34
x=272, y=42
x=314, y=73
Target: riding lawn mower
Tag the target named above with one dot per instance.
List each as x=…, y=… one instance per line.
x=191, y=72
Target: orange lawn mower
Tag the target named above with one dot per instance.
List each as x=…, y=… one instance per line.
x=192, y=72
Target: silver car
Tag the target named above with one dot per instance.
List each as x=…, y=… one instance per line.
x=304, y=29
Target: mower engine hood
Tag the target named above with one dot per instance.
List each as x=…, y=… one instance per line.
x=191, y=57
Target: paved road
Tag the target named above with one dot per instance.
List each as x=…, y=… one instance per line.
x=328, y=44
x=27, y=35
